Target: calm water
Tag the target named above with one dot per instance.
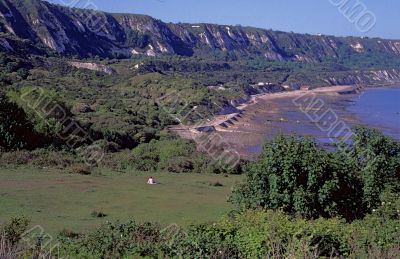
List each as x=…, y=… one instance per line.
x=379, y=108
x=376, y=108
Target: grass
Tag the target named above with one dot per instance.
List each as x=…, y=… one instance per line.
x=57, y=200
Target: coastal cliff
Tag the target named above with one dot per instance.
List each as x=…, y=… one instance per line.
x=72, y=31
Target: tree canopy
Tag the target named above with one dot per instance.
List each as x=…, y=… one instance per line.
x=294, y=175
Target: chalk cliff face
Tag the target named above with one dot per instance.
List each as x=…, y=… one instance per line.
x=84, y=33
x=93, y=66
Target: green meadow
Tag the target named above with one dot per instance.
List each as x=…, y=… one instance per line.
x=57, y=200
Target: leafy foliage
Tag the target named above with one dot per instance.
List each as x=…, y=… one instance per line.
x=378, y=157
x=173, y=155
x=294, y=175
x=114, y=240
x=14, y=229
x=250, y=234
x=16, y=130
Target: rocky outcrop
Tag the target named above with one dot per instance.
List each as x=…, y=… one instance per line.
x=93, y=66
x=367, y=77
x=71, y=31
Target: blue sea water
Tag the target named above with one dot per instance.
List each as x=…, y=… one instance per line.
x=379, y=108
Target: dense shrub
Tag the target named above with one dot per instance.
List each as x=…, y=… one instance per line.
x=16, y=130
x=12, y=231
x=16, y=241
x=303, y=180
x=115, y=240
x=250, y=234
x=380, y=228
x=173, y=155
x=378, y=159
x=267, y=234
x=117, y=161
x=23, y=73
x=42, y=158
x=293, y=174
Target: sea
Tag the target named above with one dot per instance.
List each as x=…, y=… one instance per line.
x=379, y=108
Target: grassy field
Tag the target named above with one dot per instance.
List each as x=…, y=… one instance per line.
x=56, y=200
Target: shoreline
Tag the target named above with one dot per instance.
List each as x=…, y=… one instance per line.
x=265, y=115
x=216, y=124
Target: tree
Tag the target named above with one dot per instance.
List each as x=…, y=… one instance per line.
x=293, y=174
x=16, y=131
x=23, y=73
x=378, y=158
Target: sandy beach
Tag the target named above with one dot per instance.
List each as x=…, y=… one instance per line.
x=263, y=116
x=257, y=104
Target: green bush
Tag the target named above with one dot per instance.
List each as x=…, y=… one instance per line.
x=115, y=240
x=381, y=228
x=45, y=108
x=250, y=234
x=23, y=73
x=172, y=155
x=378, y=158
x=16, y=130
x=42, y=158
x=259, y=234
x=294, y=175
x=14, y=229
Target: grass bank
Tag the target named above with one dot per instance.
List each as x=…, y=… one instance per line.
x=57, y=200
